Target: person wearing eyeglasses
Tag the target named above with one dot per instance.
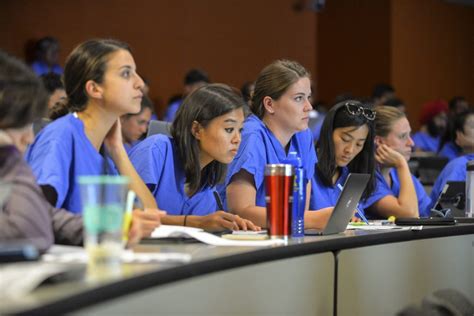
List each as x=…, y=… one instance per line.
x=398, y=193
x=279, y=125
x=346, y=146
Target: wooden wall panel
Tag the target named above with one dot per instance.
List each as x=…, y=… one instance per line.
x=232, y=39
x=432, y=52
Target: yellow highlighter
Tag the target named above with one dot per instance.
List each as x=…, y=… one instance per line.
x=127, y=217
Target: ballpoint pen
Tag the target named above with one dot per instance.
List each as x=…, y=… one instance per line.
x=218, y=200
x=359, y=212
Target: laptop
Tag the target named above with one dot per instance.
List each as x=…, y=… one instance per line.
x=452, y=202
x=345, y=206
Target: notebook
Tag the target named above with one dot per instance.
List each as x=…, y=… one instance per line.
x=345, y=206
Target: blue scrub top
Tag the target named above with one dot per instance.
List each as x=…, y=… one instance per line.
x=171, y=111
x=260, y=147
x=455, y=170
x=41, y=68
x=426, y=142
x=60, y=154
x=450, y=150
x=156, y=161
x=323, y=196
x=382, y=189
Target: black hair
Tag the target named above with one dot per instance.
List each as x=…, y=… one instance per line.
x=337, y=117
x=454, y=125
x=202, y=106
x=195, y=76
x=454, y=102
x=52, y=82
x=44, y=44
x=394, y=102
x=380, y=89
x=23, y=98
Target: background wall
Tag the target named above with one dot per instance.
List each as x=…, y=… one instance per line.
x=425, y=48
x=432, y=51
x=232, y=40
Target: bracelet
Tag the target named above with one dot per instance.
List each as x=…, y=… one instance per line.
x=185, y=218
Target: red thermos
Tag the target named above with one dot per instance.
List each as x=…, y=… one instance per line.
x=279, y=195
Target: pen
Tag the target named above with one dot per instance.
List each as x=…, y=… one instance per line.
x=218, y=200
x=359, y=212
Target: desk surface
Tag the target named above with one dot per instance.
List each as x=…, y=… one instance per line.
x=206, y=259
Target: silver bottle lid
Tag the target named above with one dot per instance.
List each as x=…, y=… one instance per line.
x=279, y=170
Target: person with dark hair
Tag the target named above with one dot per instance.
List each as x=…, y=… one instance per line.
x=194, y=79
x=247, y=90
x=455, y=141
x=102, y=84
x=458, y=105
x=278, y=126
x=182, y=171
x=455, y=170
x=134, y=126
x=398, y=193
x=53, y=84
x=396, y=103
x=46, y=56
x=433, y=120
x=26, y=214
x=346, y=146
x=381, y=93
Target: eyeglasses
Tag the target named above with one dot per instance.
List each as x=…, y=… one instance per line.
x=356, y=109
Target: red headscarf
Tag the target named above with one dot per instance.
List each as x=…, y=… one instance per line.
x=431, y=109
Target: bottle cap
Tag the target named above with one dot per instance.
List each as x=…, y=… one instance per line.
x=294, y=159
x=470, y=165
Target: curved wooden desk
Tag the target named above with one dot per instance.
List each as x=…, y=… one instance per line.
x=377, y=273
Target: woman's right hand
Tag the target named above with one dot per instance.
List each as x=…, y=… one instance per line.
x=221, y=220
x=386, y=156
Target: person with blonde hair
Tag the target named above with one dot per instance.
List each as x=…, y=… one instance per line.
x=278, y=126
x=398, y=192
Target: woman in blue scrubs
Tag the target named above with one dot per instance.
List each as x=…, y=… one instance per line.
x=182, y=171
x=102, y=84
x=398, y=192
x=455, y=170
x=455, y=142
x=346, y=146
x=279, y=125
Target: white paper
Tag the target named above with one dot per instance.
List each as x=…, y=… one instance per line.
x=180, y=231
x=21, y=278
x=128, y=256
x=374, y=227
